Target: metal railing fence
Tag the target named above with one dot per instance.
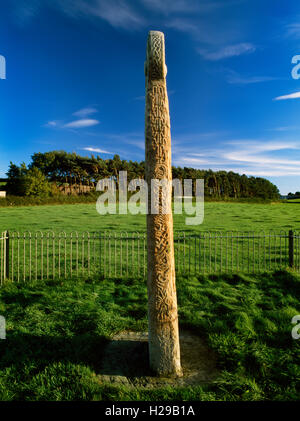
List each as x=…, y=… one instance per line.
x=50, y=255
x=3, y=256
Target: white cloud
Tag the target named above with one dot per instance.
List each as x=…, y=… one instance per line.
x=236, y=79
x=140, y=144
x=256, y=159
x=81, y=122
x=227, y=51
x=85, y=112
x=96, y=150
x=289, y=96
x=251, y=79
x=187, y=6
x=293, y=30
x=77, y=124
x=117, y=13
x=184, y=25
x=260, y=158
x=204, y=31
x=171, y=6
x=255, y=146
x=51, y=124
x=285, y=128
x=25, y=11
x=136, y=139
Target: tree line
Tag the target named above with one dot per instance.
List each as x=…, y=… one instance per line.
x=50, y=173
x=295, y=195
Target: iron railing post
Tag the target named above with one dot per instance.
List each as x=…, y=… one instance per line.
x=291, y=248
x=7, y=255
x=21, y=254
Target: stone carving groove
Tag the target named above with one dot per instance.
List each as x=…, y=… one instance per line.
x=162, y=301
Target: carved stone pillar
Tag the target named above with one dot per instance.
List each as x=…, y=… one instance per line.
x=164, y=351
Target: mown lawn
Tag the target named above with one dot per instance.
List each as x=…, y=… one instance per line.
x=57, y=331
x=220, y=216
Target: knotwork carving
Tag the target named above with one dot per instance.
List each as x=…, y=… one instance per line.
x=162, y=301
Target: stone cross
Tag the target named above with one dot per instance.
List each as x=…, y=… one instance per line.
x=164, y=351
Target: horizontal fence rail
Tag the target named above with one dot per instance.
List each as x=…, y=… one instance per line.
x=49, y=255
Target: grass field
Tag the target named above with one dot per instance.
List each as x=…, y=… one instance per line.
x=57, y=332
x=218, y=216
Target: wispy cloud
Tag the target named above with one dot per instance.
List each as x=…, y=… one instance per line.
x=292, y=30
x=140, y=144
x=136, y=139
x=81, y=122
x=26, y=10
x=51, y=124
x=289, y=96
x=184, y=25
x=121, y=142
x=188, y=16
x=118, y=13
x=192, y=138
x=187, y=6
x=284, y=128
x=84, y=122
x=235, y=78
x=84, y=112
x=96, y=150
x=171, y=6
x=227, y=51
x=251, y=157
x=204, y=32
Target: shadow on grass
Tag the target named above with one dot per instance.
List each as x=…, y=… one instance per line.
x=21, y=298
x=123, y=358
x=128, y=358
x=38, y=351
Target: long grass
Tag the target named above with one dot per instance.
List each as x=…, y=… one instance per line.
x=57, y=332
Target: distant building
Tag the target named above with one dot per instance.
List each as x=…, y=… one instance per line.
x=2, y=194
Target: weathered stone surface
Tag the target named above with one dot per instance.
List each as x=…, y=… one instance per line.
x=125, y=362
x=164, y=351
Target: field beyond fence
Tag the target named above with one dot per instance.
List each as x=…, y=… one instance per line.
x=48, y=255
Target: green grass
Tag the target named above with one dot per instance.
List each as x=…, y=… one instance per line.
x=209, y=255
x=294, y=201
x=57, y=331
x=84, y=217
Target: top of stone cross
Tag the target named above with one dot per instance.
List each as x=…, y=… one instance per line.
x=155, y=67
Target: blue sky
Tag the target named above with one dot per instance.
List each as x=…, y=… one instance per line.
x=75, y=81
